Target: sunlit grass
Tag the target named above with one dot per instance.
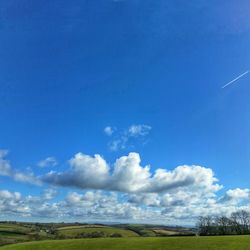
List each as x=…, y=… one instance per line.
x=140, y=243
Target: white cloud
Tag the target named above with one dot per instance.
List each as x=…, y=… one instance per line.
x=139, y=130
x=236, y=195
x=49, y=194
x=48, y=162
x=85, y=172
x=128, y=175
x=25, y=177
x=124, y=191
x=179, y=208
x=11, y=202
x=7, y=170
x=148, y=199
x=14, y=204
x=75, y=206
x=108, y=130
x=128, y=137
x=183, y=176
x=87, y=199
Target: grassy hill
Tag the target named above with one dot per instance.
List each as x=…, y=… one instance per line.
x=139, y=243
x=74, y=231
x=16, y=232
x=156, y=230
x=11, y=233
x=13, y=227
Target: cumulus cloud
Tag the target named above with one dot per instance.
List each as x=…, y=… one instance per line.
x=183, y=176
x=147, y=199
x=10, y=202
x=127, y=138
x=129, y=175
x=49, y=194
x=103, y=206
x=87, y=172
x=7, y=170
x=110, y=206
x=14, y=204
x=48, y=162
x=125, y=190
x=87, y=206
x=236, y=195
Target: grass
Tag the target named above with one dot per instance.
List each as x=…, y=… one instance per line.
x=11, y=234
x=14, y=233
x=82, y=226
x=13, y=228
x=137, y=243
x=74, y=231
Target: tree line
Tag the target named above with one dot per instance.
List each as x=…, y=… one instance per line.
x=237, y=223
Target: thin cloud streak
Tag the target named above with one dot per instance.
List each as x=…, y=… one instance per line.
x=235, y=79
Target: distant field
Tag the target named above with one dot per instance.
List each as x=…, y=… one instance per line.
x=13, y=228
x=11, y=233
x=164, y=232
x=81, y=226
x=73, y=231
x=137, y=243
x=14, y=233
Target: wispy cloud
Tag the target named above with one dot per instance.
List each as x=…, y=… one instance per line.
x=7, y=170
x=139, y=130
x=48, y=162
x=109, y=130
x=125, y=138
x=235, y=79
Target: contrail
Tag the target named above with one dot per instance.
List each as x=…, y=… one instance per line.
x=235, y=79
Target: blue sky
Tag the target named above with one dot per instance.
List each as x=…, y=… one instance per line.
x=70, y=69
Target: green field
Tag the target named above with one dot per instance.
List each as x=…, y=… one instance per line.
x=11, y=233
x=137, y=243
x=13, y=228
x=107, y=231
